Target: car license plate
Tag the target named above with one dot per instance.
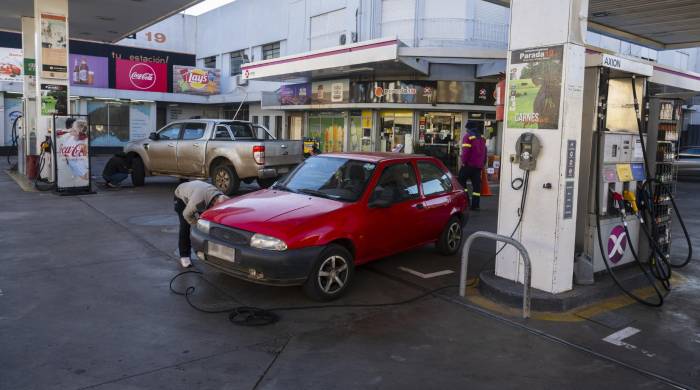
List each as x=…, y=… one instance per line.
x=221, y=251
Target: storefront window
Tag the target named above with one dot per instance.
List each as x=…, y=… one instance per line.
x=396, y=131
x=328, y=130
x=439, y=136
x=109, y=123
x=360, y=137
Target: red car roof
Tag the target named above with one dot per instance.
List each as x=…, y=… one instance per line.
x=374, y=156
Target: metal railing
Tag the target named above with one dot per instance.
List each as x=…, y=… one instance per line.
x=507, y=240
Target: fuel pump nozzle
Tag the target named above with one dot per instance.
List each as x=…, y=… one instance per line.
x=619, y=203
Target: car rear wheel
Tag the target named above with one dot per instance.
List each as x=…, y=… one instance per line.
x=451, y=238
x=331, y=275
x=224, y=177
x=266, y=183
x=138, y=172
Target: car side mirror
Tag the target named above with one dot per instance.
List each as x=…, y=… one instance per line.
x=153, y=136
x=382, y=198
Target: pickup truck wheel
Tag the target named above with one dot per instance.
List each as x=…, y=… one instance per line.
x=266, y=183
x=225, y=179
x=331, y=274
x=138, y=172
x=451, y=238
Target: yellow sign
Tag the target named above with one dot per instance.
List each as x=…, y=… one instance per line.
x=366, y=119
x=624, y=172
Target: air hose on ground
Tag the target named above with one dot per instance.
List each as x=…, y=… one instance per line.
x=253, y=316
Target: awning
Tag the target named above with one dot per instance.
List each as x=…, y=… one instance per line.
x=378, y=57
x=663, y=75
x=99, y=20
x=658, y=24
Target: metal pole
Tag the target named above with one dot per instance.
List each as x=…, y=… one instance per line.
x=527, y=278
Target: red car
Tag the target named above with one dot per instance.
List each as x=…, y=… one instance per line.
x=332, y=213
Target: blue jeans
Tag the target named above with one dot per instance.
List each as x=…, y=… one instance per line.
x=116, y=178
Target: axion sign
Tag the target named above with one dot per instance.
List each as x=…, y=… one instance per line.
x=141, y=76
x=617, y=244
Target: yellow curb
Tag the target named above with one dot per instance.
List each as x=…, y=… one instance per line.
x=21, y=181
x=578, y=314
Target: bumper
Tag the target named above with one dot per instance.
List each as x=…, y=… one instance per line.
x=271, y=173
x=286, y=268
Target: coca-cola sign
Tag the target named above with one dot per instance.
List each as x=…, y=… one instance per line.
x=141, y=76
x=72, y=157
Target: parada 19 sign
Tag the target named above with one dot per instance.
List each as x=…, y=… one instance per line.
x=141, y=76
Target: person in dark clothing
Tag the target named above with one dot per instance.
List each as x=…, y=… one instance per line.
x=116, y=170
x=473, y=161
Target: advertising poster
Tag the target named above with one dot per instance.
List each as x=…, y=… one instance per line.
x=89, y=71
x=534, y=96
x=330, y=92
x=485, y=94
x=141, y=76
x=294, y=94
x=54, y=99
x=72, y=159
x=456, y=92
x=11, y=64
x=54, y=46
x=197, y=81
x=29, y=67
x=140, y=125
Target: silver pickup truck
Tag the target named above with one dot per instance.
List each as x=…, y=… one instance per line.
x=226, y=151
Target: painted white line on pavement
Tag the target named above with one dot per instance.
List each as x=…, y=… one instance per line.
x=427, y=276
x=617, y=337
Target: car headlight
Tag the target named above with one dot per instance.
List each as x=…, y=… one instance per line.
x=203, y=226
x=262, y=241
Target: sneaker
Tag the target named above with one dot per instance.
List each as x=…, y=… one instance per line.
x=110, y=185
x=185, y=262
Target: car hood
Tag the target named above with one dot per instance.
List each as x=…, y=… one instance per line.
x=271, y=211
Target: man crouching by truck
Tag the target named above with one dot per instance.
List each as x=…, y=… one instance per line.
x=191, y=199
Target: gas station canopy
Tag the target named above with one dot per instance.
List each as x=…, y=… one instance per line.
x=658, y=24
x=99, y=20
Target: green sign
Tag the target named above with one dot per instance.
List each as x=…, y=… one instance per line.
x=29, y=67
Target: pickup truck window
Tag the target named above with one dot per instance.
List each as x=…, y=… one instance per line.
x=170, y=132
x=194, y=131
x=222, y=133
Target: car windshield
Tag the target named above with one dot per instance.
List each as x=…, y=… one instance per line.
x=330, y=177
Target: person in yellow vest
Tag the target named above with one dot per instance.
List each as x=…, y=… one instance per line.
x=473, y=161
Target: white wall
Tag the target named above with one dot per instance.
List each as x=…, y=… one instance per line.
x=176, y=33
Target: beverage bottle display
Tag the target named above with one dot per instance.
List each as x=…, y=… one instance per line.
x=83, y=71
x=76, y=70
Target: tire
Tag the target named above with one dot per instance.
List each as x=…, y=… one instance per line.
x=138, y=172
x=266, y=183
x=333, y=261
x=451, y=237
x=224, y=177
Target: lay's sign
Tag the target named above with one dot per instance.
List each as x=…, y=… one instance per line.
x=197, y=81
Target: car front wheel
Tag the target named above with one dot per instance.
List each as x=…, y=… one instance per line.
x=331, y=274
x=451, y=238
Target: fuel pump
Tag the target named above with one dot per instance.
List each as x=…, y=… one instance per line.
x=618, y=223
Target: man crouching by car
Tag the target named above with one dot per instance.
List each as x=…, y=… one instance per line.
x=191, y=199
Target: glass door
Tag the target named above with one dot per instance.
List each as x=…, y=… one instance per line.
x=397, y=131
x=328, y=131
x=439, y=136
x=360, y=137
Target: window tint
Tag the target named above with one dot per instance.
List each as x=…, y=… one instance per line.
x=222, y=133
x=433, y=179
x=242, y=132
x=170, y=132
x=194, y=131
x=397, y=184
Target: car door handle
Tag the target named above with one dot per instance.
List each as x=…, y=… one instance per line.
x=196, y=146
x=171, y=145
x=283, y=146
x=419, y=206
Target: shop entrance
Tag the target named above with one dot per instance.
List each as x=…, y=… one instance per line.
x=295, y=125
x=361, y=132
x=439, y=136
x=397, y=131
x=329, y=130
